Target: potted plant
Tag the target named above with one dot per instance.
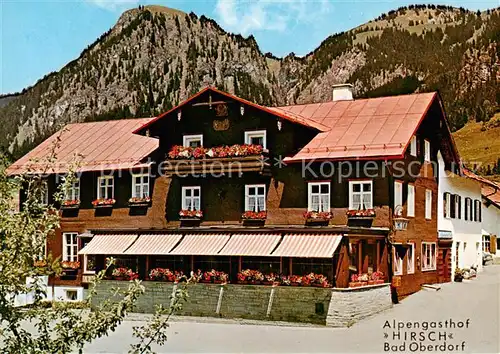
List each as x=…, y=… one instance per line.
x=103, y=203
x=254, y=217
x=269, y=279
x=161, y=274
x=123, y=273
x=139, y=202
x=459, y=275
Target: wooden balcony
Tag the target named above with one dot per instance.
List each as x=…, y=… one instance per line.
x=219, y=165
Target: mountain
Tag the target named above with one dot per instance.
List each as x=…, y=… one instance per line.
x=155, y=57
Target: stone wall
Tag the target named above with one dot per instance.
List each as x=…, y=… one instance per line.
x=333, y=307
x=348, y=306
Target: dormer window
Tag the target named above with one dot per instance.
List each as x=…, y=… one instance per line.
x=257, y=137
x=192, y=140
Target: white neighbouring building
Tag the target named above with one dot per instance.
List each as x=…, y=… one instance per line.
x=491, y=218
x=459, y=218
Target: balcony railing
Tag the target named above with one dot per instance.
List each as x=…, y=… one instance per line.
x=236, y=159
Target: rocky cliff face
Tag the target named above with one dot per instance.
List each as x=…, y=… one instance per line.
x=155, y=57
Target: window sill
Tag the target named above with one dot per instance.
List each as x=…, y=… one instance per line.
x=428, y=270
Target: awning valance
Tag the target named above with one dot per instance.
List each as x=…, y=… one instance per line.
x=154, y=244
x=201, y=244
x=308, y=245
x=250, y=245
x=109, y=244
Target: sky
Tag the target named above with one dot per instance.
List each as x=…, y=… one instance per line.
x=41, y=36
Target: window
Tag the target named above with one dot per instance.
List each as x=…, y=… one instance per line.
x=105, y=187
x=140, y=186
x=319, y=196
x=477, y=210
x=398, y=255
x=486, y=243
x=89, y=260
x=410, y=258
x=446, y=204
x=428, y=256
x=257, y=137
x=73, y=191
x=255, y=197
x=192, y=140
x=427, y=150
x=398, y=194
x=428, y=204
x=360, y=195
x=413, y=146
x=70, y=246
x=191, y=198
x=458, y=206
x=410, y=211
x=43, y=193
x=71, y=295
x=453, y=210
x=467, y=210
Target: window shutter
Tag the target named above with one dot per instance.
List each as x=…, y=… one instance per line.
x=452, y=206
x=459, y=198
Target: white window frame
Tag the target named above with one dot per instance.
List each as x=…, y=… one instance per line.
x=44, y=193
x=361, y=193
x=413, y=146
x=410, y=262
x=184, y=204
x=447, y=206
x=427, y=248
x=428, y=204
x=108, y=184
x=410, y=208
x=256, y=197
x=398, y=270
x=398, y=194
x=321, y=207
x=144, y=186
x=73, y=191
x=186, y=139
x=427, y=150
x=72, y=256
x=256, y=134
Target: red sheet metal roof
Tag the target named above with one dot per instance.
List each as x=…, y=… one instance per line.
x=101, y=145
x=489, y=189
x=308, y=245
x=365, y=128
x=290, y=117
x=258, y=244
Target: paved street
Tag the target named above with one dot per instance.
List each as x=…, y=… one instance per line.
x=477, y=300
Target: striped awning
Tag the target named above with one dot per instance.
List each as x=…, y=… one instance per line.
x=201, y=244
x=108, y=244
x=251, y=245
x=154, y=244
x=308, y=245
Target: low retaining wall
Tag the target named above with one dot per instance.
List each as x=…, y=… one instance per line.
x=292, y=304
x=350, y=305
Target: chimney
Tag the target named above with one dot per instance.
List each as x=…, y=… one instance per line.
x=342, y=92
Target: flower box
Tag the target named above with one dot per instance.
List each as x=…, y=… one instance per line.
x=254, y=215
x=318, y=216
x=139, y=202
x=219, y=281
x=205, y=281
x=200, y=152
x=361, y=214
x=103, y=203
x=242, y=282
x=185, y=214
x=70, y=265
x=295, y=284
x=124, y=274
x=70, y=204
x=267, y=283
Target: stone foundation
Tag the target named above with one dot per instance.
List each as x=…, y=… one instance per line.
x=326, y=306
